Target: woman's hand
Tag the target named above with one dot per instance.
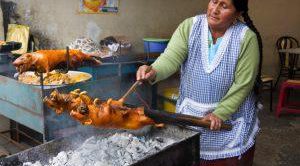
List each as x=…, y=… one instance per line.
x=215, y=122
x=144, y=73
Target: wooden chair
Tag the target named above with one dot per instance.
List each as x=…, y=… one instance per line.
x=286, y=42
x=267, y=85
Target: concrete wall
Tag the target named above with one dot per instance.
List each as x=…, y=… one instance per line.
x=57, y=22
x=275, y=18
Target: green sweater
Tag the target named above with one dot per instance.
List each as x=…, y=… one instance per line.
x=246, y=70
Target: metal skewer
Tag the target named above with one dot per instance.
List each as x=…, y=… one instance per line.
x=133, y=87
x=67, y=67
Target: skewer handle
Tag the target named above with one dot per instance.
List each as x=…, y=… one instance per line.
x=133, y=87
x=181, y=119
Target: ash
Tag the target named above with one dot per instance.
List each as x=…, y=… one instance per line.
x=119, y=149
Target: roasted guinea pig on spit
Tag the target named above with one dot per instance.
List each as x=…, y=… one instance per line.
x=47, y=60
x=106, y=114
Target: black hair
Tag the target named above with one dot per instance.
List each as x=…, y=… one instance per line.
x=242, y=6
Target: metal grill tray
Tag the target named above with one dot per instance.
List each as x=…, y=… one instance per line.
x=185, y=150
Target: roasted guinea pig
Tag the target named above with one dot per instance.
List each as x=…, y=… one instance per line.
x=47, y=60
x=106, y=114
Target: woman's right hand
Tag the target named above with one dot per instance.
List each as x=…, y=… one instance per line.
x=145, y=73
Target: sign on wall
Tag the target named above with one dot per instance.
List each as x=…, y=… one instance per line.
x=99, y=6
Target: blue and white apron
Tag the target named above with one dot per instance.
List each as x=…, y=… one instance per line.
x=204, y=84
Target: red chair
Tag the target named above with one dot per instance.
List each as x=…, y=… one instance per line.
x=283, y=104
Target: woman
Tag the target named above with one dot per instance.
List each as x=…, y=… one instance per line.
x=220, y=62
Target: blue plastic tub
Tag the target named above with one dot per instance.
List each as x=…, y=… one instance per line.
x=155, y=45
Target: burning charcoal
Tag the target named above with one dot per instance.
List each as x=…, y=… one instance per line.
x=128, y=158
x=119, y=153
x=159, y=139
x=69, y=153
x=120, y=149
x=157, y=148
x=138, y=149
x=32, y=164
x=91, y=140
x=60, y=159
x=101, y=163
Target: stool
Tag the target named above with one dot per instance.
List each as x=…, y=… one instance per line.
x=283, y=104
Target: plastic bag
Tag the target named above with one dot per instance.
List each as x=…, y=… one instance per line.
x=115, y=45
x=87, y=46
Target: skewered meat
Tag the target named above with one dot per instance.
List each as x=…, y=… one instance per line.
x=47, y=60
x=108, y=114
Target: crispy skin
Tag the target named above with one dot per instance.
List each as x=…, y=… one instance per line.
x=47, y=60
x=108, y=114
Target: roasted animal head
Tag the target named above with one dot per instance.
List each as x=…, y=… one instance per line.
x=58, y=102
x=74, y=101
x=25, y=62
x=55, y=101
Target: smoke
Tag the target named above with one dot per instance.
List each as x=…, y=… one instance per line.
x=93, y=31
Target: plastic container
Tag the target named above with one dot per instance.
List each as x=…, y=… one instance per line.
x=171, y=96
x=155, y=45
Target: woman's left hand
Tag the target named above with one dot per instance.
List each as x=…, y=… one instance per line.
x=215, y=122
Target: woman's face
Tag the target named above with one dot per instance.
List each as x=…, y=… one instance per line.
x=221, y=14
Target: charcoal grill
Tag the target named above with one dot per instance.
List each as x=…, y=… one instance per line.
x=184, y=152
